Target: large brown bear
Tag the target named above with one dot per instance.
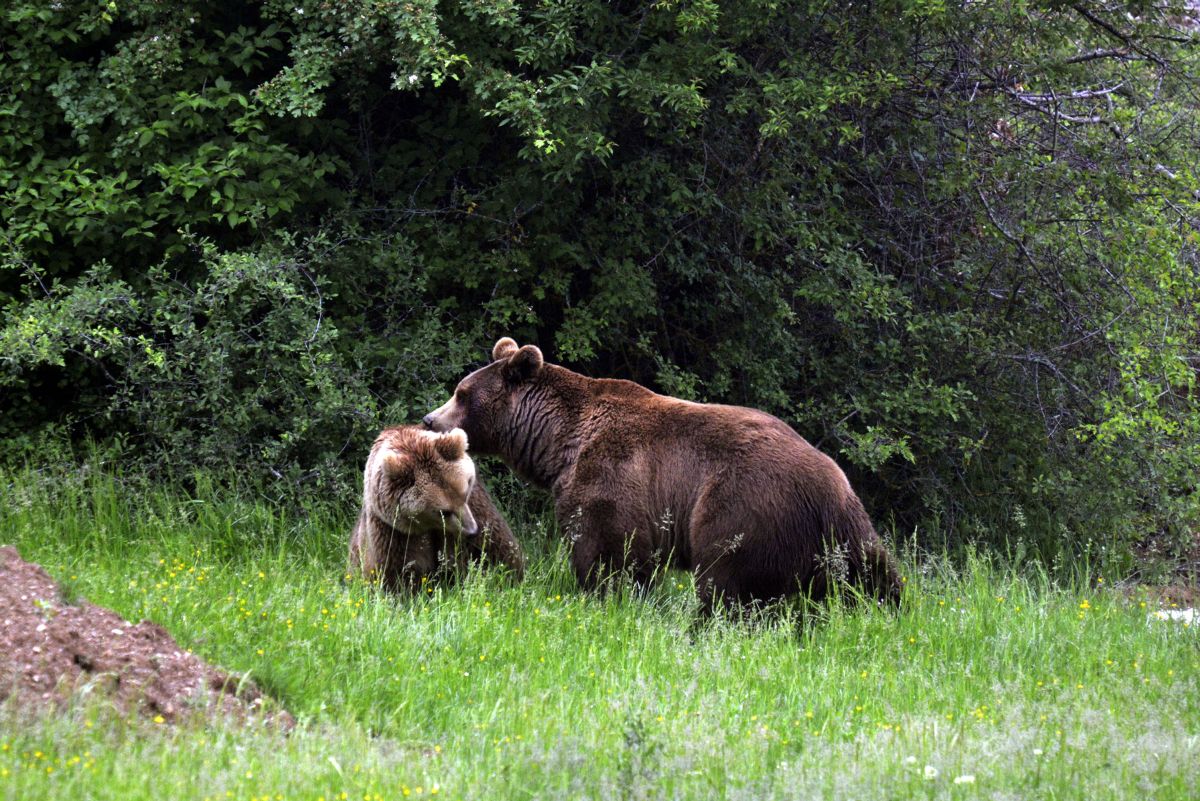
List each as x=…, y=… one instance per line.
x=424, y=512
x=641, y=480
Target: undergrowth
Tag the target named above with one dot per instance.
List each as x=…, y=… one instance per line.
x=991, y=681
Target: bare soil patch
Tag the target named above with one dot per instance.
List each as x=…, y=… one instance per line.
x=1180, y=587
x=51, y=651
x=1169, y=596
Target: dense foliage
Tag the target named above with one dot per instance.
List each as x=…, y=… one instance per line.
x=953, y=244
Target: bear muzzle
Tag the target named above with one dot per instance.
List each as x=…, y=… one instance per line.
x=470, y=528
x=440, y=419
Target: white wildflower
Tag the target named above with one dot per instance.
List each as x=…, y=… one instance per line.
x=1185, y=616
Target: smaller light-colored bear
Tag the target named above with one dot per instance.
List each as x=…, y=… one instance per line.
x=424, y=513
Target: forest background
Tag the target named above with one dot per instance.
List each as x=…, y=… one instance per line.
x=953, y=244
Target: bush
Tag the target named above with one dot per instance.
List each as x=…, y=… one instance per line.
x=236, y=369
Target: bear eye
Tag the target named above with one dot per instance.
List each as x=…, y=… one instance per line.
x=460, y=394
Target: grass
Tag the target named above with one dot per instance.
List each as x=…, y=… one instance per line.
x=990, y=683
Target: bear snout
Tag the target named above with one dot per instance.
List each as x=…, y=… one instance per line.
x=441, y=418
x=469, y=527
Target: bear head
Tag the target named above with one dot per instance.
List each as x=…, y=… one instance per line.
x=418, y=480
x=483, y=402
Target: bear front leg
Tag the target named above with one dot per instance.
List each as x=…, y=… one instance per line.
x=497, y=544
x=409, y=559
x=501, y=547
x=605, y=543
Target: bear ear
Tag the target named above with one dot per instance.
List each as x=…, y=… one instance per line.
x=524, y=364
x=396, y=466
x=452, y=445
x=504, y=347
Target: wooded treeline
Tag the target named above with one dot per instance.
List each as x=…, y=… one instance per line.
x=954, y=244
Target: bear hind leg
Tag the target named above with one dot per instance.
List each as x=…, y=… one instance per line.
x=874, y=571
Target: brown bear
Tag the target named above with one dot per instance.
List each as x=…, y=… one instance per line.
x=642, y=480
x=423, y=512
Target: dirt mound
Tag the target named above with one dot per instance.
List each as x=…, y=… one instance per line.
x=51, y=649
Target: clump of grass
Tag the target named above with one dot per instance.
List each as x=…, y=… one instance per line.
x=989, y=682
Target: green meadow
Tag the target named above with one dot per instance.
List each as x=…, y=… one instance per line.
x=994, y=680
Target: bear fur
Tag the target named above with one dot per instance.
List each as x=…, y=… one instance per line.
x=424, y=513
x=642, y=480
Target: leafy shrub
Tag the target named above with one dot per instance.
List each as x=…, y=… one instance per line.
x=237, y=368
